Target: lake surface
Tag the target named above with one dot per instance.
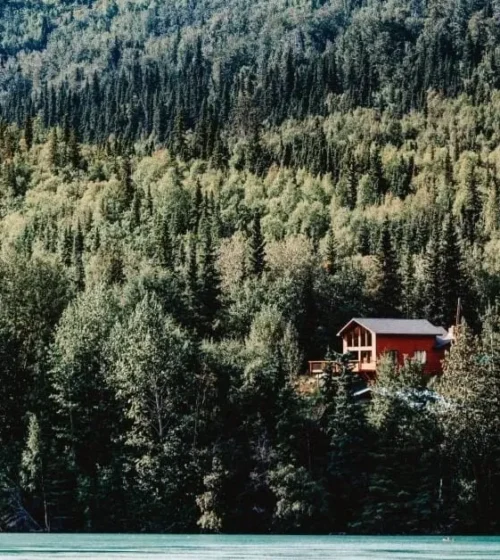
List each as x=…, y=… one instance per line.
x=237, y=547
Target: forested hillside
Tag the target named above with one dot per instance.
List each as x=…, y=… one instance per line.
x=194, y=198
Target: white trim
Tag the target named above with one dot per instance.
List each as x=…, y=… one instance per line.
x=357, y=323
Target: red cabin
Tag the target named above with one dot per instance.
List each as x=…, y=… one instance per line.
x=368, y=339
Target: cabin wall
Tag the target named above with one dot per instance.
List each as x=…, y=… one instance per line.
x=407, y=345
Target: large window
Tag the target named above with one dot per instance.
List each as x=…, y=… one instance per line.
x=420, y=356
x=366, y=356
x=359, y=345
x=359, y=338
x=353, y=355
x=393, y=355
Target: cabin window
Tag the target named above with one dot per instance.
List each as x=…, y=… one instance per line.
x=359, y=338
x=367, y=338
x=353, y=356
x=356, y=334
x=366, y=356
x=392, y=355
x=420, y=356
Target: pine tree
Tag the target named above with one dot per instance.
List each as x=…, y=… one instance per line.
x=348, y=459
x=135, y=212
x=78, y=248
x=28, y=132
x=197, y=207
x=165, y=249
x=331, y=262
x=433, y=274
x=472, y=206
x=388, y=268
x=403, y=492
x=471, y=378
x=54, y=156
x=34, y=468
x=66, y=246
x=408, y=285
x=126, y=183
x=452, y=284
x=376, y=173
x=73, y=150
x=208, y=276
x=257, y=248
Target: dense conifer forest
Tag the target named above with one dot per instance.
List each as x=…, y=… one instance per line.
x=195, y=195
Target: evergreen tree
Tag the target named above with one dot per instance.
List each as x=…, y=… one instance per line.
x=472, y=206
x=208, y=276
x=331, y=253
x=409, y=286
x=126, y=183
x=388, y=270
x=257, y=248
x=28, y=132
x=54, y=156
x=73, y=149
x=348, y=460
x=78, y=248
x=452, y=276
x=403, y=493
x=33, y=467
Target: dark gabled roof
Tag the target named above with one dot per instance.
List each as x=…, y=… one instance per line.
x=397, y=326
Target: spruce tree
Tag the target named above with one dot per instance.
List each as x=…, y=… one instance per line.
x=126, y=183
x=348, y=458
x=433, y=304
x=257, y=248
x=28, y=132
x=389, y=289
x=54, y=156
x=208, y=276
x=73, y=150
x=331, y=262
x=472, y=206
x=452, y=284
x=165, y=249
x=408, y=284
x=404, y=485
x=66, y=246
x=78, y=248
x=376, y=173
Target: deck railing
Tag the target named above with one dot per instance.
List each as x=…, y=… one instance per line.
x=318, y=367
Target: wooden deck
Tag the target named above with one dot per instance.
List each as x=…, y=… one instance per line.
x=318, y=367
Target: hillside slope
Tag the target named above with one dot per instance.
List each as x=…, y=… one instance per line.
x=194, y=197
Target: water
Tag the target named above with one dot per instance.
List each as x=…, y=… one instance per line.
x=238, y=547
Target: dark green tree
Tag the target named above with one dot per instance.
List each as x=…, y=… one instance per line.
x=257, y=248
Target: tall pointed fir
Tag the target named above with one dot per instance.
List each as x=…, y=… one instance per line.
x=73, y=150
x=165, y=248
x=78, y=248
x=403, y=492
x=54, y=156
x=389, y=288
x=257, y=248
x=126, y=184
x=408, y=284
x=348, y=460
x=452, y=272
x=433, y=300
x=28, y=132
x=331, y=257
x=472, y=206
x=208, y=276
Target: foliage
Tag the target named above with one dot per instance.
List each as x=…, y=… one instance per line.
x=194, y=198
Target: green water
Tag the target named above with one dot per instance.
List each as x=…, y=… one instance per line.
x=237, y=547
